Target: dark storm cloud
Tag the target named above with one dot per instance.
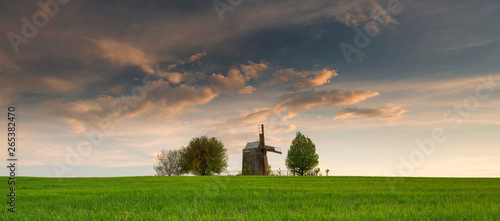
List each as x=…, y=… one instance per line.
x=90, y=42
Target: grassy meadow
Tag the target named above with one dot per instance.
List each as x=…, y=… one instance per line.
x=254, y=198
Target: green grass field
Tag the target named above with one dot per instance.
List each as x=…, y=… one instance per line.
x=254, y=198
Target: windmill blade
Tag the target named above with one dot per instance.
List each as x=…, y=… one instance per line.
x=261, y=137
x=272, y=149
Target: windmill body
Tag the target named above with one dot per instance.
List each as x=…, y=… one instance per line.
x=255, y=156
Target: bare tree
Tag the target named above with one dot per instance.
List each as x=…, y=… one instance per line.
x=168, y=163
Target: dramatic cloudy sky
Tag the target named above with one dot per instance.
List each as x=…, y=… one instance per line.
x=402, y=88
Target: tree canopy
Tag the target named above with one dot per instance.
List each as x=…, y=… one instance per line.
x=169, y=163
x=301, y=157
x=204, y=156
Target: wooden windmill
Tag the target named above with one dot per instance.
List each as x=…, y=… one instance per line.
x=255, y=155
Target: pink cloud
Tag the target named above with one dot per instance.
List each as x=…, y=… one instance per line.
x=296, y=102
x=388, y=111
x=303, y=79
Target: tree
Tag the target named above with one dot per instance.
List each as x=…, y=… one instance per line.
x=301, y=157
x=316, y=171
x=204, y=156
x=269, y=171
x=327, y=171
x=169, y=163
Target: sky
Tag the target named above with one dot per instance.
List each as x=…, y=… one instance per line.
x=383, y=88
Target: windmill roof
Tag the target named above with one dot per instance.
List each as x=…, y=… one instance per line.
x=252, y=145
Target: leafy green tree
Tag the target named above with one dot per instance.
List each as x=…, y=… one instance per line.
x=301, y=157
x=204, y=156
x=168, y=163
x=327, y=171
